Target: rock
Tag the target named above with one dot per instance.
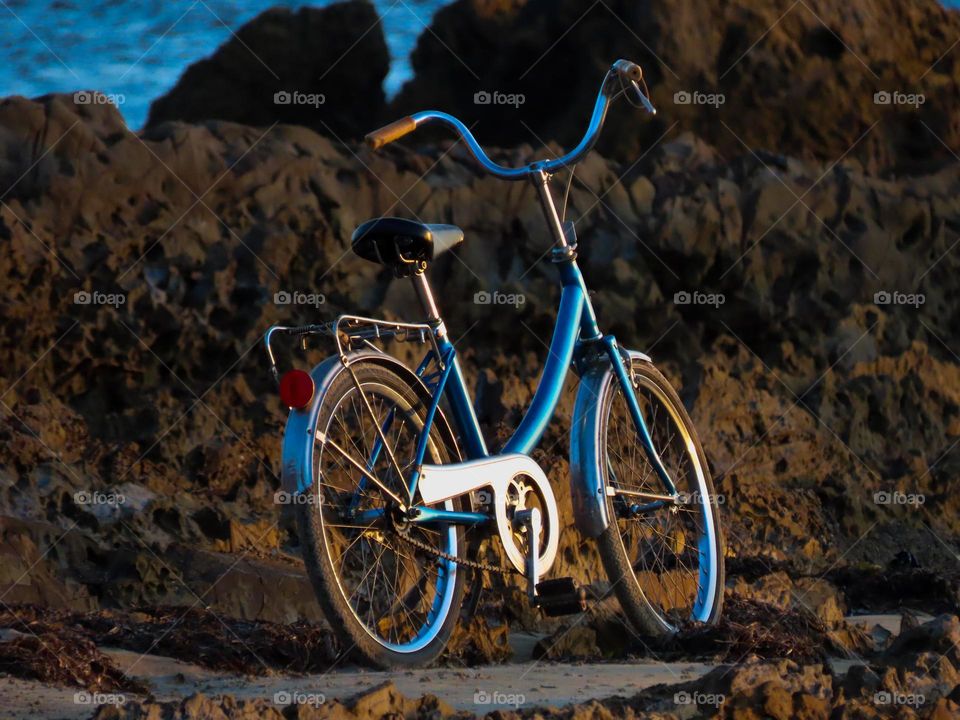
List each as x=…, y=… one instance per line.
x=874, y=589
x=573, y=641
x=820, y=597
x=195, y=707
x=478, y=642
x=813, y=595
x=823, y=79
x=319, y=67
x=940, y=635
x=788, y=379
x=36, y=564
x=781, y=690
x=908, y=621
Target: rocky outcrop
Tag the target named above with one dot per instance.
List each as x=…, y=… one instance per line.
x=794, y=79
x=141, y=271
x=804, y=305
x=319, y=67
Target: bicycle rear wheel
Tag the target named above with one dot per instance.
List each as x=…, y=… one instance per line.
x=665, y=560
x=390, y=600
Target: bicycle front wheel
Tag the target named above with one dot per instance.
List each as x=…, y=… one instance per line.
x=664, y=559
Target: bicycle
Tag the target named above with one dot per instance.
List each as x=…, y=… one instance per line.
x=388, y=483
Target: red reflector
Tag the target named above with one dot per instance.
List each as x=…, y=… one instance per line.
x=296, y=389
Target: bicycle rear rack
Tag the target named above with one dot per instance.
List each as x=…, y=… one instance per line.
x=349, y=331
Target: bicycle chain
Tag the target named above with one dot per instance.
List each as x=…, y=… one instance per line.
x=466, y=562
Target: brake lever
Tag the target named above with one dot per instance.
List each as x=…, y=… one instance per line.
x=644, y=100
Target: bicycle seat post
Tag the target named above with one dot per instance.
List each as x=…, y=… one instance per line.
x=425, y=295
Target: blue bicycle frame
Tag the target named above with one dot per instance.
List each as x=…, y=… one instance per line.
x=577, y=339
x=576, y=336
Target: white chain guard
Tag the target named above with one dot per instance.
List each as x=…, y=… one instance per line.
x=443, y=482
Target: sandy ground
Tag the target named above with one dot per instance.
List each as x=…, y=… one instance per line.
x=524, y=682
x=478, y=689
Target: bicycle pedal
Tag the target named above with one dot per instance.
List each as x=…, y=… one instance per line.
x=560, y=596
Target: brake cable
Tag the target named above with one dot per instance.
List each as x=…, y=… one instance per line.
x=566, y=193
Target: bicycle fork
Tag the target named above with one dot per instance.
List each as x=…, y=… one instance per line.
x=625, y=377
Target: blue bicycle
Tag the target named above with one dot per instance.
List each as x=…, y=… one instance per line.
x=388, y=481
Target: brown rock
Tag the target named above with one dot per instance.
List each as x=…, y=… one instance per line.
x=573, y=641
x=796, y=80
x=319, y=67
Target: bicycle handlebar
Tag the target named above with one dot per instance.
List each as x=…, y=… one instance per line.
x=628, y=73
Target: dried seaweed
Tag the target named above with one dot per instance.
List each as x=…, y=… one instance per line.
x=750, y=628
x=196, y=635
x=47, y=650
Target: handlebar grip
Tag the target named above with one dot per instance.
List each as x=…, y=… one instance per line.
x=388, y=133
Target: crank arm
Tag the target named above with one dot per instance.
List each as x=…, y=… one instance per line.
x=531, y=520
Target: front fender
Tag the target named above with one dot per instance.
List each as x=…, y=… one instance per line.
x=586, y=454
x=300, y=434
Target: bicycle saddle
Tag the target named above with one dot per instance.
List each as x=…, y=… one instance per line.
x=403, y=244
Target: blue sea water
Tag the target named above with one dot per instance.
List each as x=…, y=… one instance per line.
x=136, y=51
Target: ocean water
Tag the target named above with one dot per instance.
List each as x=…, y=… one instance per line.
x=136, y=51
